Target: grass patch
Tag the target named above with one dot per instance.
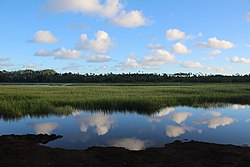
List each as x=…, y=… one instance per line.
x=18, y=101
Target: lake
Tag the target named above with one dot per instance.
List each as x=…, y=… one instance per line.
x=83, y=129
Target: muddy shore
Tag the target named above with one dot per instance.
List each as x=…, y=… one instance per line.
x=24, y=150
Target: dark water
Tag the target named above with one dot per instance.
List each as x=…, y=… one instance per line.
x=82, y=129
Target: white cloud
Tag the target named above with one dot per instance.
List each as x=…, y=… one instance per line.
x=155, y=46
x=216, y=122
x=107, y=9
x=192, y=64
x=130, y=143
x=217, y=69
x=213, y=113
x=4, y=62
x=111, y=9
x=216, y=43
x=31, y=65
x=130, y=63
x=248, y=45
x=72, y=67
x=158, y=58
x=44, y=37
x=161, y=114
x=175, y=131
x=98, y=58
x=175, y=34
x=239, y=60
x=180, y=48
x=180, y=117
x=61, y=53
x=215, y=52
x=197, y=65
x=102, y=123
x=100, y=45
x=248, y=16
x=130, y=19
x=45, y=128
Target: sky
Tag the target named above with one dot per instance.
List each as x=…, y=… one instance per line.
x=122, y=36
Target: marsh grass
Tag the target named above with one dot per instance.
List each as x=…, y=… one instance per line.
x=17, y=101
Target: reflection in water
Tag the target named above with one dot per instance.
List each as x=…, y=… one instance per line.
x=180, y=117
x=161, y=114
x=213, y=113
x=175, y=131
x=134, y=131
x=130, y=143
x=239, y=106
x=45, y=128
x=101, y=121
x=215, y=122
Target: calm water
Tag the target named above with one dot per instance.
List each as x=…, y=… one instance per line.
x=82, y=129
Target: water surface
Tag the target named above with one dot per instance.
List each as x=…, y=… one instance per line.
x=82, y=129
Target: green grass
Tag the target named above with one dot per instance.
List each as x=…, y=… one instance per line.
x=17, y=101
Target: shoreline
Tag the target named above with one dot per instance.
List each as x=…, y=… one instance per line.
x=26, y=150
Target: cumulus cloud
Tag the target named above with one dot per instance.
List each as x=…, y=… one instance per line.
x=130, y=143
x=216, y=122
x=175, y=34
x=161, y=114
x=130, y=19
x=31, y=65
x=101, y=122
x=45, y=128
x=237, y=59
x=180, y=117
x=159, y=57
x=197, y=65
x=216, y=43
x=100, y=45
x=114, y=10
x=72, y=67
x=180, y=48
x=192, y=64
x=215, y=52
x=248, y=16
x=155, y=46
x=175, y=131
x=44, y=37
x=61, y=53
x=107, y=9
x=130, y=63
x=98, y=58
x=4, y=62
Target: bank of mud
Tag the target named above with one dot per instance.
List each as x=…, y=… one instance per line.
x=26, y=150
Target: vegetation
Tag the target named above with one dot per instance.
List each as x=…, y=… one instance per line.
x=18, y=101
x=51, y=76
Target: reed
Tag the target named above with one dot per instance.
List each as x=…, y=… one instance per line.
x=18, y=101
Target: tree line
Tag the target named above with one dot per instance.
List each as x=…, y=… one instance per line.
x=51, y=76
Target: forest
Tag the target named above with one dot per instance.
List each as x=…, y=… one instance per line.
x=51, y=76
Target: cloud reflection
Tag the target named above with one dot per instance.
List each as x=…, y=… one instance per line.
x=102, y=123
x=213, y=113
x=180, y=117
x=239, y=106
x=175, y=131
x=130, y=143
x=45, y=128
x=161, y=114
x=215, y=122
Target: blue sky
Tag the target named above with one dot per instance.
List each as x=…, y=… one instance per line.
x=102, y=36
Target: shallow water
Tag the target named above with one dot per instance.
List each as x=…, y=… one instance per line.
x=82, y=129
